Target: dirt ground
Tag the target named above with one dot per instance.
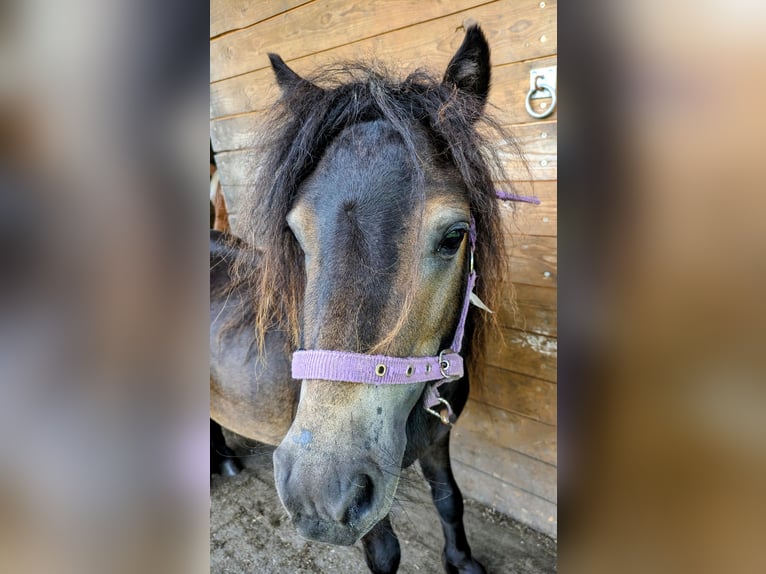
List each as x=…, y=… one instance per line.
x=250, y=531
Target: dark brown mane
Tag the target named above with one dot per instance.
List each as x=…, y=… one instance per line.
x=299, y=129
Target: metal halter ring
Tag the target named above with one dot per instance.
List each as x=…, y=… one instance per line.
x=540, y=86
x=444, y=415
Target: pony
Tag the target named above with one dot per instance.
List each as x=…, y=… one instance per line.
x=373, y=202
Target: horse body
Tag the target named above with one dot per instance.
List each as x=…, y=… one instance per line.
x=365, y=223
x=252, y=395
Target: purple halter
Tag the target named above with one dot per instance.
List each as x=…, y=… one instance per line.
x=384, y=370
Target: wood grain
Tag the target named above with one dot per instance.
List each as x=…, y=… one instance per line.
x=507, y=499
x=514, y=30
x=228, y=15
x=238, y=168
x=236, y=132
x=521, y=451
x=522, y=352
x=529, y=308
x=539, y=159
x=319, y=26
x=234, y=197
x=531, y=257
x=521, y=394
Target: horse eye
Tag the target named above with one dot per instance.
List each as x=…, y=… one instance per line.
x=451, y=241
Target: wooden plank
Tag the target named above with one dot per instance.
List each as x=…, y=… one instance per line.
x=316, y=27
x=238, y=168
x=527, y=353
x=231, y=169
x=529, y=219
x=540, y=154
x=514, y=30
x=524, y=442
x=532, y=510
x=234, y=196
x=530, y=443
x=521, y=394
x=228, y=15
x=235, y=132
x=533, y=315
x=529, y=308
x=533, y=260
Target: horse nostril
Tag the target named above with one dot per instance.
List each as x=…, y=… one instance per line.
x=360, y=501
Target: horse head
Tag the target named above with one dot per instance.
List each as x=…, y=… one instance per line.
x=379, y=183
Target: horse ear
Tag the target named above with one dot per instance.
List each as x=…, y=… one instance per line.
x=469, y=69
x=287, y=79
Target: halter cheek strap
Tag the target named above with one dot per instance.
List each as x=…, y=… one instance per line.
x=384, y=370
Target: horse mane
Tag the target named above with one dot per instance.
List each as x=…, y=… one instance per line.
x=297, y=131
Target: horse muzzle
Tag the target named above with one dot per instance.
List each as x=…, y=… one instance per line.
x=328, y=499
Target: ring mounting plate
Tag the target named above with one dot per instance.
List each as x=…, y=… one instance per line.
x=547, y=76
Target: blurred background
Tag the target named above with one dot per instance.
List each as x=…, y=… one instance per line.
x=661, y=366
x=104, y=129
x=103, y=286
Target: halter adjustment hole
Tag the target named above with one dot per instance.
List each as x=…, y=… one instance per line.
x=409, y=371
x=428, y=367
x=380, y=370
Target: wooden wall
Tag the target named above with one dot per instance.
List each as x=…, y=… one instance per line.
x=504, y=447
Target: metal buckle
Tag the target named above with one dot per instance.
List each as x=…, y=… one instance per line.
x=444, y=364
x=444, y=415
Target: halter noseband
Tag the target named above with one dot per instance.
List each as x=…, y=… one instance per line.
x=384, y=370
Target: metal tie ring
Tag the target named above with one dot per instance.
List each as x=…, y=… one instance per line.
x=539, y=87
